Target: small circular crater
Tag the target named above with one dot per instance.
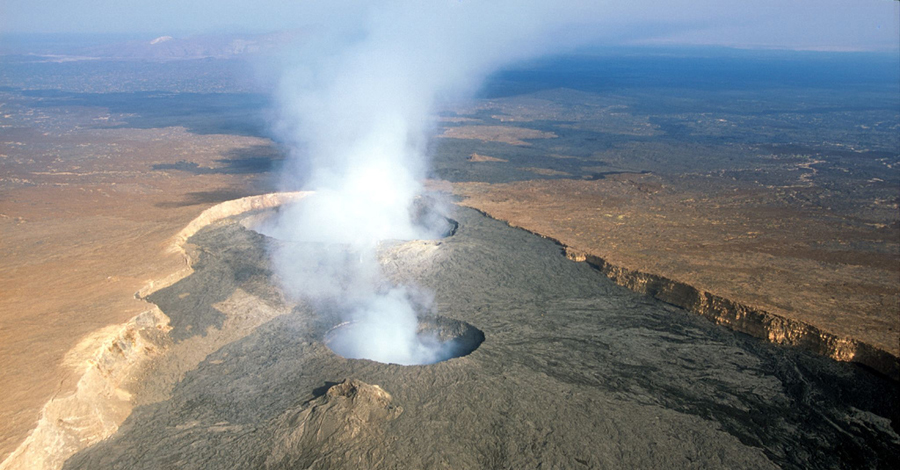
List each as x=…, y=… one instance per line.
x=425, y=213
x=435, y=339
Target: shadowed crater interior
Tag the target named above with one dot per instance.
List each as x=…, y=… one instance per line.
x=436, y=339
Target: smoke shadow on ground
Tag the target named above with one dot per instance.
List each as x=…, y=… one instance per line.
x=256, y=159
x=263, y=162
x=229, y=166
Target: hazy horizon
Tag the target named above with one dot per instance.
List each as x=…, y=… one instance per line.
x=832, y=25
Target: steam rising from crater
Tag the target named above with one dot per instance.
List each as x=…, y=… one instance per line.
x=357, y=105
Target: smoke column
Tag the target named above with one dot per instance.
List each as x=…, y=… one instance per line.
x=356, y=113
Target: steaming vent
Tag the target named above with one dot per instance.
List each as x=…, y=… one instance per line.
x=424, y=214
x=436, y=339
x=434, y=224
x=332, y=251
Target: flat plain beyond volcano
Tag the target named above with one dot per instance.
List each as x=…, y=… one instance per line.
x=573, y=371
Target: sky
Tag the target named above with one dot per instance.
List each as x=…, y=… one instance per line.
x=796, y=24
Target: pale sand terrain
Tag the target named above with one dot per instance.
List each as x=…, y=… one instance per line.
x=546, y=171
x=85, y=223
x=478, y=158
x=799, y=265
x=505, y=134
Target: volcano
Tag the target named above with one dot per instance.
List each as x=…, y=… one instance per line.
x=565, y=369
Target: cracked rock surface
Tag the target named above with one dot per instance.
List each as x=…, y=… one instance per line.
x=574, y=372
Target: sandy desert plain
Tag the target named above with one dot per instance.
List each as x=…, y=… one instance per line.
x=769, y=206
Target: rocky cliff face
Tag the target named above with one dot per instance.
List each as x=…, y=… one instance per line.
x=745, y=319
x=101, y=400
x=825, y=269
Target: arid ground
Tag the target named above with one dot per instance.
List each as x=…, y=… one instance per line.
x=780, y=200
x=87, y=212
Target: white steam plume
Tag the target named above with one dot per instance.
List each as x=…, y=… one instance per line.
x=356, y=111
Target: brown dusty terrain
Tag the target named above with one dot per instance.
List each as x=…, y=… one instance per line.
x=508, y=135
x=477, y=158
x=85, y=220
x=816, y=267
x=74, y=190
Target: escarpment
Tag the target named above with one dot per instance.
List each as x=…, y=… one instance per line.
x=114, y=358
x=101, y=400
x=744, y=318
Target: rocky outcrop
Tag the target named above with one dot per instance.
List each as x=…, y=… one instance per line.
x=100, y=401
x=232, y=208
x=324, y=432
x=745, y=319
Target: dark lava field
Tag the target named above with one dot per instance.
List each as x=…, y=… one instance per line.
x=573, y=372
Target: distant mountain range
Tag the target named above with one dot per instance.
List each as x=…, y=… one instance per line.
x=163, y=48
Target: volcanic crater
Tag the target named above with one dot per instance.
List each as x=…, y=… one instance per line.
x=445, y=337
x=426, y=216
x=577, y=372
